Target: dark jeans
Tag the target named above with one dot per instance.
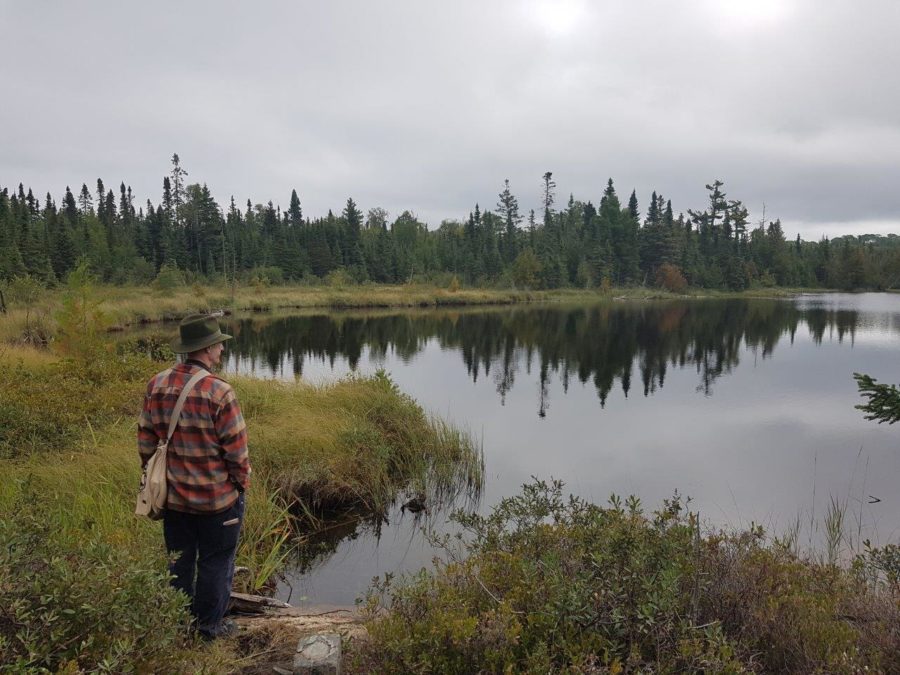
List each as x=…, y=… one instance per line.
x=205, y=545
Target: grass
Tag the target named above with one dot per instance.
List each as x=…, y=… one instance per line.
x=69, y=460
x=129, y=305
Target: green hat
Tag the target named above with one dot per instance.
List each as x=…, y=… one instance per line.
x=196, y=332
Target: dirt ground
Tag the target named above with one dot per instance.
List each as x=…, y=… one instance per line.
x=267, y=642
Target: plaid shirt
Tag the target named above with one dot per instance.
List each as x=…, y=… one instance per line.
x=207, y=455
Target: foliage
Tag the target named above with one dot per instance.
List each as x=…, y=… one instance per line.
x=547, y=584
x=168, y=279
x=266, y=276
x=883, y=399
x=81, y=322
x=526, y=270
x=82, y=604
x=574, y=245
x=668, y=276
x=27, y=291
x=339, y=278
x=48, y=408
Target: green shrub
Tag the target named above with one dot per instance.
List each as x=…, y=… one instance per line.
x=547, y=584
x=339, y=278
x=84, y=605
x=261, y=277
x=168, y=279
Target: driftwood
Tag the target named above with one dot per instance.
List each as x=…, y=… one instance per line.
x=246, y=603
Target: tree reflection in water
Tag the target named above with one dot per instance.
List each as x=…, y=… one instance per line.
x=602, y=343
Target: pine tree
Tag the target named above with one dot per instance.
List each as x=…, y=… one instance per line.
x=295, y=213
x=177, y=187
x=85, y=201
x=353, y=255
x=508, y=209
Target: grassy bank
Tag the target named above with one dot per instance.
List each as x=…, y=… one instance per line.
x=549, y=584
x=78, y=569
x=124, y=306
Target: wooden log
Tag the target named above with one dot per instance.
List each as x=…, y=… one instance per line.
x=247, y=603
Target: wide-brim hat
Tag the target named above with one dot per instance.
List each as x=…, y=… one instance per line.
x=196, y=332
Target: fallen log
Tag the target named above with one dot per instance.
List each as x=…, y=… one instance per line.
x=246, y=603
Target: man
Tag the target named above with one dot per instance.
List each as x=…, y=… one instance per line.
x=208, y=470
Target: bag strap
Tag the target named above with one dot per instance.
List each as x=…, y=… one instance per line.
x=176, y=414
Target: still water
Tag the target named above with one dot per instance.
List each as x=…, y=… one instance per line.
x=745, y=406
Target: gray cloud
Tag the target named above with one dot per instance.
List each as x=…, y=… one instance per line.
x=429, y=106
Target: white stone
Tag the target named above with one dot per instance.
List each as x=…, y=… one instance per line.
x=318, y=655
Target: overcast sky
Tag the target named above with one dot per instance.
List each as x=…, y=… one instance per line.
x=428, y=106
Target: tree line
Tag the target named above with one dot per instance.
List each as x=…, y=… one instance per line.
x=187, y=235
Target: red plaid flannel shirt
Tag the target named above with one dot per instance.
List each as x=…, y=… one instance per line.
x=207, y=455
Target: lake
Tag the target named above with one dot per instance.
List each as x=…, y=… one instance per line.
x=745, y=406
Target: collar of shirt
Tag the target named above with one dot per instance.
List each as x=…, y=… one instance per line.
x=195, y=362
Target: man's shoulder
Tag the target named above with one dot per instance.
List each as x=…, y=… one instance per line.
x=155, y=381
x=219, y=389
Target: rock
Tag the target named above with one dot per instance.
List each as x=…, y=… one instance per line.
x=318, y=655
x=415, y=505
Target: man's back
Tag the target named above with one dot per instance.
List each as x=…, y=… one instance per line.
x=208, y=460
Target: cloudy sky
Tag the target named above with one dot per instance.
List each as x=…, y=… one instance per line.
x=428, y=106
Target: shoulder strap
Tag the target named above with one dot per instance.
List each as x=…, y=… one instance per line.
x=176, y=414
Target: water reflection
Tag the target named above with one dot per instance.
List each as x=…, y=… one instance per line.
x=598, y=344
x=747, y=406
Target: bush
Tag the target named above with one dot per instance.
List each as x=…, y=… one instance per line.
x=552, y=585
x=84, y=605
x=526, y=270
x=265, y=276
x=669, y=276
x=339, y=278
x=547, y=584
x=168, y=279
x=50, y=408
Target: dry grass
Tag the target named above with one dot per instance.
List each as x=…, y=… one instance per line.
x=130, y=305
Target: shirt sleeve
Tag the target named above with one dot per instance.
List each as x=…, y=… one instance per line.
x=232, y=433
x=146, y=434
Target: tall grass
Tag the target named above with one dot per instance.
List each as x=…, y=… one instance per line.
x=354, y=444
x=70, y=466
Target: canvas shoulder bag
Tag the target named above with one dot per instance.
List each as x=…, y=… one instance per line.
x=151, y=499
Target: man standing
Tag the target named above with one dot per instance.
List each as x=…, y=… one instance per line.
x=208, y=470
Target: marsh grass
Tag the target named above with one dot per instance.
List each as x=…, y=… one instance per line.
x=131, y=305
x=70, y=466
x=354, y=444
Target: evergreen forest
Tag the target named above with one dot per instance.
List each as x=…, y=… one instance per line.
x=617, y=242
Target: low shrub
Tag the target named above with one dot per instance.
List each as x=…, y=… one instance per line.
x=168, y=279
x=670, y=277
x=53, y=406
x=78, y=606
x=548, y=584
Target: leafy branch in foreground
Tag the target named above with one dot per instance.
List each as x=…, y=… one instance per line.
x=884, y=399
